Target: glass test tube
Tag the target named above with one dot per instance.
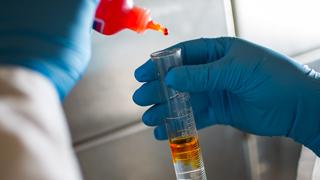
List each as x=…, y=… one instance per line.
x=180, y=124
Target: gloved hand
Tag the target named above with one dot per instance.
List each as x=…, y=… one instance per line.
x=238, y=83
x=51, y=37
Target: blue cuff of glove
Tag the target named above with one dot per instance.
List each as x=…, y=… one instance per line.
x=315, y=145
x=58, y=59
x=62, y=82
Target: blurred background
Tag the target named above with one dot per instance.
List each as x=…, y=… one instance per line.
x=110, y=140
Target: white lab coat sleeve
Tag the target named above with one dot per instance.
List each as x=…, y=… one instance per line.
x=316, y=170
x=309, y=165
x=34, y=139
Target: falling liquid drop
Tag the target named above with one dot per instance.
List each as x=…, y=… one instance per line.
x=165, y=32
x=158, y=27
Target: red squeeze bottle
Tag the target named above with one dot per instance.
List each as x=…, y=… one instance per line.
x=113, y=16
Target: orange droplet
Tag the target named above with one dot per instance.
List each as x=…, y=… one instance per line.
x=157, y=27
x=165, y=32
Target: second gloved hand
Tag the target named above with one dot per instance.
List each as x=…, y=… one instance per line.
x=238, y=83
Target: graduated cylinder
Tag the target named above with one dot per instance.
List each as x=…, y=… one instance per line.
x=180, y=123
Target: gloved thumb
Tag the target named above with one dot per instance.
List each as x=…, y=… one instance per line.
x=199, y=78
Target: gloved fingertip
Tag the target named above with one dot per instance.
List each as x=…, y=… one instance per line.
x=135, y=98
x=174, y=78
x=159, y=134
x=138, y=74
x=145, y=72
x=170, y=78
x=146, y=119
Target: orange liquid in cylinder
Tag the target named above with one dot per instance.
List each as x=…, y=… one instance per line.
x=186, y=150
x=113, y=16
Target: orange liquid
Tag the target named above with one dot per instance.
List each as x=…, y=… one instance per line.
x=157, y=27
x=186, y=150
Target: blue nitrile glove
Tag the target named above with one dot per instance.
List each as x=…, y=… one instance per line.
x=238, y=83
x=51, y=37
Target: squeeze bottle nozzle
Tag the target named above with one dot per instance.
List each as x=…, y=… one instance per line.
x=113, y=16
